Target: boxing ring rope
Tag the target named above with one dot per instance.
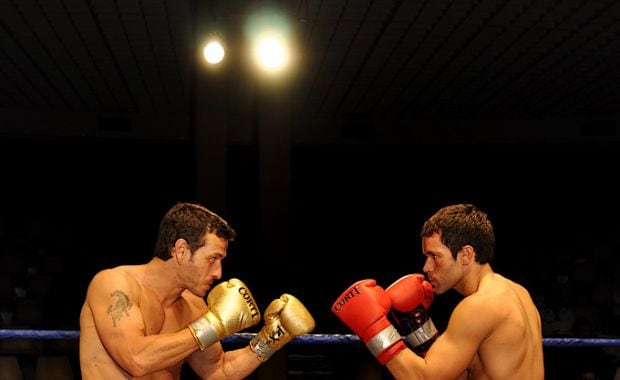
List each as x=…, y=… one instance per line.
x=304, y=339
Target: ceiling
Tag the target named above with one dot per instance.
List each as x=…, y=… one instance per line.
x=362, y=59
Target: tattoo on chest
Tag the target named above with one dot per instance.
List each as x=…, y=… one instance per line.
x=120, y=308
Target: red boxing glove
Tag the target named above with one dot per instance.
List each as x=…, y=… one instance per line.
x=363, y=308
x=411, y=297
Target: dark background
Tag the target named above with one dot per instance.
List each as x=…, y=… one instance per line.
x=355, y=211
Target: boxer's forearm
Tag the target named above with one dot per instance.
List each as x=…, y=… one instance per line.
x=226, y=365
x=156, y=352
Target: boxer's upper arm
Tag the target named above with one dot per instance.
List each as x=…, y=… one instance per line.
x=451, y=354
x=113, y=298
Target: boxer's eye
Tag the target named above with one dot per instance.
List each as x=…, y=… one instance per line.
x=213, y=259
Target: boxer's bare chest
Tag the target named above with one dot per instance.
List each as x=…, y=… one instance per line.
x=158, y=319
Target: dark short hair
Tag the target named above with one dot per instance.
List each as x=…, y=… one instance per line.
x=191, y=222
x=463, y=224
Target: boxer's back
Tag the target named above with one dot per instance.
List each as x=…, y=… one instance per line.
x=513, y=349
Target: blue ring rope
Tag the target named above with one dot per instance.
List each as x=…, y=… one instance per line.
x=303, y=339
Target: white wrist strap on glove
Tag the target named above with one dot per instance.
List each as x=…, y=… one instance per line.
x=384, y=339
x=424, y=333
x=203, y=332
x=262, y=349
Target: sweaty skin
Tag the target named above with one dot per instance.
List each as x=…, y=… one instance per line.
x=493, y=333
x=133, y=321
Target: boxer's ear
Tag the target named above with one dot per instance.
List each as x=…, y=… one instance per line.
x=468, y=254
x=180, y=249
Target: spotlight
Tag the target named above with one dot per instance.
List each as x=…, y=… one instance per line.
x=213, y=52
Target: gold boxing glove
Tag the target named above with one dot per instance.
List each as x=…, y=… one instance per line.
x=285, y=318
x=231, y=309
